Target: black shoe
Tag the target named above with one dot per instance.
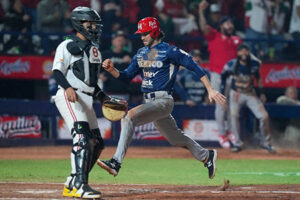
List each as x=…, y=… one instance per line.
x=269, y=148
x=111, y=166
x=211, y=163
x=236, y=149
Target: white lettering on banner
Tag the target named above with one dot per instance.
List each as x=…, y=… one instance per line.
x=19, y=126
x=14, y=67
x=275, y=76
x=201, y=129
x=146, y=132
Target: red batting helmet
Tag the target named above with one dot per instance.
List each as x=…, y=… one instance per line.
x=149, y=24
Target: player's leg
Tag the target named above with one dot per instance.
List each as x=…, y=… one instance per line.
x=67, y=112
x=142, y=114
x=220, y=112
x=258, y=109
x=71, y=115
x=236, y=101
x=168, y=128
x=97, y=143
x=83, y=151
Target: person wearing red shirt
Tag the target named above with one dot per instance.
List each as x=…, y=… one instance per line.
x=222, y=47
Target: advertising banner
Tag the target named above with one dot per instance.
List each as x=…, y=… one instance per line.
x=20, y=127
x=197, y=129
x=104, y=125
x=204, y=130
x=147, y=132
x=25, y=67
x=280, y=75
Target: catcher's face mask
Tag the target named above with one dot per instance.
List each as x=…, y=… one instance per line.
x=81, y=15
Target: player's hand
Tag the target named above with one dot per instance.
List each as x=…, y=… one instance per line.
x=108, y=65
x=216, y=96
x=203, y=5
x=71, y=94
x=263, y=98
x=190, y=103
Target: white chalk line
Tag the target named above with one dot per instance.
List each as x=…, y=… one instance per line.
x=281, y=174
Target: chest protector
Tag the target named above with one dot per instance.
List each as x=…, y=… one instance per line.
x=87, y=67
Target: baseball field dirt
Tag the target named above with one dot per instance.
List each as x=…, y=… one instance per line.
x=22, y=190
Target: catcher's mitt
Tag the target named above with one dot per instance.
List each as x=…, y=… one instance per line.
x=114, y=109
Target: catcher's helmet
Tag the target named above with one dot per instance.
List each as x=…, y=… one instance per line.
x=84, y=14
x=149, y=24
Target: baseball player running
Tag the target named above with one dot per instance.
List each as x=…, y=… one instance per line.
x=158, y=63
x=244, y=70
x=75, y=69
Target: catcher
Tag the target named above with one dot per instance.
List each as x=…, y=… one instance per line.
x=75, y=69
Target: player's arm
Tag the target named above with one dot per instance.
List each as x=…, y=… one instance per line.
x=226, y=73
x=180, y=57
x=260, y=86
x=132, y=70
x=202, y=20
x=60, y=67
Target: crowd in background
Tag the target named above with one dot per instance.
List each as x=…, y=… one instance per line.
x=36, y=27
x=255, y=21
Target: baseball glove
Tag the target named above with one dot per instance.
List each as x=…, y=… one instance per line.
x=114, y=109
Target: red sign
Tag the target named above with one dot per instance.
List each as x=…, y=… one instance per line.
x=20, y=127
x=25, y=67
x=280, y=75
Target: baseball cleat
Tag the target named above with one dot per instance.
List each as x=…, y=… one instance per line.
x=111, y=166
x=269, y=148
x=67, y=192
x=86, y=192
x=211, y=163
x=223, y=141
x=236, y=149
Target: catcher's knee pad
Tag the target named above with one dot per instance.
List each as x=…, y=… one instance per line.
x=81, y=135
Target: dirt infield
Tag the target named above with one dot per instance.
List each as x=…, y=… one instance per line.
x=11, y=190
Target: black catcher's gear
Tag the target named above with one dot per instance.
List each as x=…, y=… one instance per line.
x=85, y=14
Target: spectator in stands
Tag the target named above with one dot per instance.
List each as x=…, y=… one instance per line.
x=30, y=7
x=236, y=10
x=295, y=24
x=188, y=86
x=17, y=19
x=257, y=25
x=290, y=97
x=52, y=15
x=112, y=15
x=214, y=15
x=119, y=55
x=292, y=130
x=222, y=46
x=279, y=11
x=75, y=3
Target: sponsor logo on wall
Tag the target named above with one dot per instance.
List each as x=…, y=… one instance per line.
x=103, y=124
x=20, y=127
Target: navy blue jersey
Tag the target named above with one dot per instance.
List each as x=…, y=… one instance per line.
x=242, y=76
x=189, y=87
x=158, y=67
